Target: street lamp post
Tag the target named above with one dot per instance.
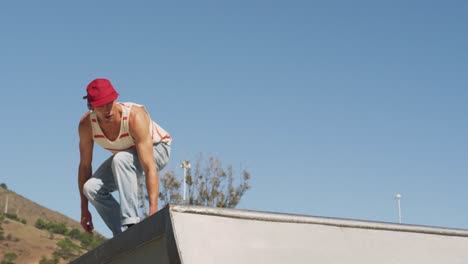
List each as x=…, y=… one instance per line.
x=398, y=198
x=186, y=166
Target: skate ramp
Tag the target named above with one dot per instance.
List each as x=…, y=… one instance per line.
x=189, y=234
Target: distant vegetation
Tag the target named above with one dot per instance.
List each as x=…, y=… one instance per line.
x=66, y=248
x=8, y=237
x=9, y=258
x=72, y=242
x=88, y=241
x=210, y=184
x=44, y=260
x=14, y=217
x=2, y=234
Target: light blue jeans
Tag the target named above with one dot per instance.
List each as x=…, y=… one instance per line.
x=122, y=172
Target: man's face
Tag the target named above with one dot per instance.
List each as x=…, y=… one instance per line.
x=106, y=112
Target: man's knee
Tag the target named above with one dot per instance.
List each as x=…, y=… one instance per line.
x=91, y=187
x=122, y=158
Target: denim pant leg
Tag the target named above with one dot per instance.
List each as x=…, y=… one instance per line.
x=126, y=170
x=162, y=152
x=128, y=173
x=98, y=190
x=121, y=172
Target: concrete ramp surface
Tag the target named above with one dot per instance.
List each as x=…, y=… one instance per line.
x=191, y=234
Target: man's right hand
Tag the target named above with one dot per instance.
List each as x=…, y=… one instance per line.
x=86, y=221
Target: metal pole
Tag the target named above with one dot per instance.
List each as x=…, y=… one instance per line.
x=185, y=165
x=185, y=184
x=398, y=198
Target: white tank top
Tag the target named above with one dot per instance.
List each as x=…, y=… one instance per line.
x=125, y=141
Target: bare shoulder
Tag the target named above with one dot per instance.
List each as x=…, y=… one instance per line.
x=139, y=122
x=138, y=114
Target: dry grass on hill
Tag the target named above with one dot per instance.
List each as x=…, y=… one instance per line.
x=31, y=211
x=29, y=243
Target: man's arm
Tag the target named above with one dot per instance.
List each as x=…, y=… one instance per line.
x=85, y=169
x=139, y=128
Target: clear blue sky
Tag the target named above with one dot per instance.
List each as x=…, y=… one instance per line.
x=333, y=106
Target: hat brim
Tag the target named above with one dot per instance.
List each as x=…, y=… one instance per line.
x=105, y=100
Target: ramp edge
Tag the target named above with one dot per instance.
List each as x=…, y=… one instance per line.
x=304, y=219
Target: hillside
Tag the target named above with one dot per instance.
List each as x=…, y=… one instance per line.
x=19, y=235
x=31, y=211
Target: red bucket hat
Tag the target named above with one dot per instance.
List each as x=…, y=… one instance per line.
x=100, y=92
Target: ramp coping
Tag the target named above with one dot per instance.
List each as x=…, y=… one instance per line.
x=304, y=219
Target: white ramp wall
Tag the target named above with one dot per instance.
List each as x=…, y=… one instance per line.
x=201, y=235
x=216, y=236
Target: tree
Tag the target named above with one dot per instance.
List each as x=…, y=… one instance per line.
x=4, y=186
x=170, y=189
x=211, y=185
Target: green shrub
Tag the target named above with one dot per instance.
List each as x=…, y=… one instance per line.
x=74, y=234
x=14, y=217
x=59, y=229
x=53, y=260
x=89, y=241
x=9, y=258
x=40, y=224
x=67, y=249
x=56, y=228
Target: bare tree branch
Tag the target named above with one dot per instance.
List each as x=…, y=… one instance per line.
x=211, y=185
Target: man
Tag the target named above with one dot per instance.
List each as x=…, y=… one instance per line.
x=140, y=148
